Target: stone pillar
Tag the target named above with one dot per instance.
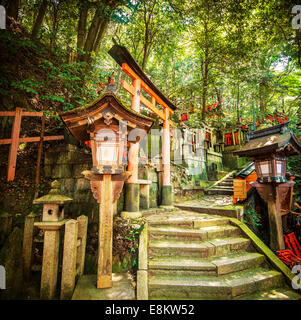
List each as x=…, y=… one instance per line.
x=142, y=273
x=144, y=193
x=50, y=258
x=27, y=244
x=131, y=186
x=82, y=235
x=166, y=188
x=69, y=259
x=50, y=264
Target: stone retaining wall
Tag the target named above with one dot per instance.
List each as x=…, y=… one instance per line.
x=65, y=163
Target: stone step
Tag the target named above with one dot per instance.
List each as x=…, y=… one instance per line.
x=217, y=266
x=210, y=287
x=223, y=187
x=219, y=191
x=274, y=294
x=204, y=220
x=228, y=184
x=201, y=249
x=204, y=233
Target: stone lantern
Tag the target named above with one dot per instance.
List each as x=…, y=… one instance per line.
x=112, y=128
x=53, y=203
x=52, y=221
x=269, y=149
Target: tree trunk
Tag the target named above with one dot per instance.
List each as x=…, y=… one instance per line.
x=39, y=20
x=205, y=84
x=262, y=94
x=91, y=37
x=146, y=46
x=54, y=26
x=82, y=26
x=101, y=32
x=237, y=103
x=13, y=9
x=205, y=71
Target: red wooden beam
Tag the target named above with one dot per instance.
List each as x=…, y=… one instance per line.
x=24, y=114
x=15, y=137
x=12, y=158
x=32, y=139
x=145, y=87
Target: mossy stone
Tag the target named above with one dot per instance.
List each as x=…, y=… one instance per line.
x=167, y=198
x=131, y=197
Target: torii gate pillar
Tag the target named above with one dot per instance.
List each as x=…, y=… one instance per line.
x=132, y=188
x=166, y=188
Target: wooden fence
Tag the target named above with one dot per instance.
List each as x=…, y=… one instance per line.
x=16, y=139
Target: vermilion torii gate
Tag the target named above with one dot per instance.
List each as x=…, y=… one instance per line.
x=141, y=82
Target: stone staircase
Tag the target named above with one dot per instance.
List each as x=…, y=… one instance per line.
x=201, y=256
x=225, y=187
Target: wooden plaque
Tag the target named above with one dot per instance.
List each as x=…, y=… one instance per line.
x=240, y=189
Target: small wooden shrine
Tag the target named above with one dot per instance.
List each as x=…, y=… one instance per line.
x=269, y=149
x=243, y=180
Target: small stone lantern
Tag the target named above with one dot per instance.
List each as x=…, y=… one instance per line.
x=52, y=221
x=53, y=203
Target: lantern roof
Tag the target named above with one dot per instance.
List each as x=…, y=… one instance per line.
x=103, y=109
x=276, y=139
x=54, y=196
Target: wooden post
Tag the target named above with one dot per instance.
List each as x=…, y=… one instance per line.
x=69, y=259
x=12, y=159
x=233, y=138
x=134, y=149
x=166, y=188
x=27, y=244
x=104, y=274
x=50, y=264
x=132, y=187
x=40, y=150
x=82, y=235
x=166, y=149
x=275, y=223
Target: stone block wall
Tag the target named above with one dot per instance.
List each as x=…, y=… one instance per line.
x=65, y=164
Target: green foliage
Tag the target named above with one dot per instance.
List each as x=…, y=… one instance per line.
x=251, y=218
x=197, y=52
x=184, y=180
x=133, y=236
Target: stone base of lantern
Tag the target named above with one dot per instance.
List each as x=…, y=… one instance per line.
x=130, y=215
x=167, y=198
x=131, y=197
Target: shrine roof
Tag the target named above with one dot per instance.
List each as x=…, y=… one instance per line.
x=76, y=120
x=121, y=55
x=246, y=171
x=86, y=107
x=274, y=139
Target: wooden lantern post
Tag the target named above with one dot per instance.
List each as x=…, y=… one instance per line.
x=103, y=122
x=269, y=149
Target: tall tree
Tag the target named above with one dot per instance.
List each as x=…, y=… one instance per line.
x=13, y=9
x=39, y=20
